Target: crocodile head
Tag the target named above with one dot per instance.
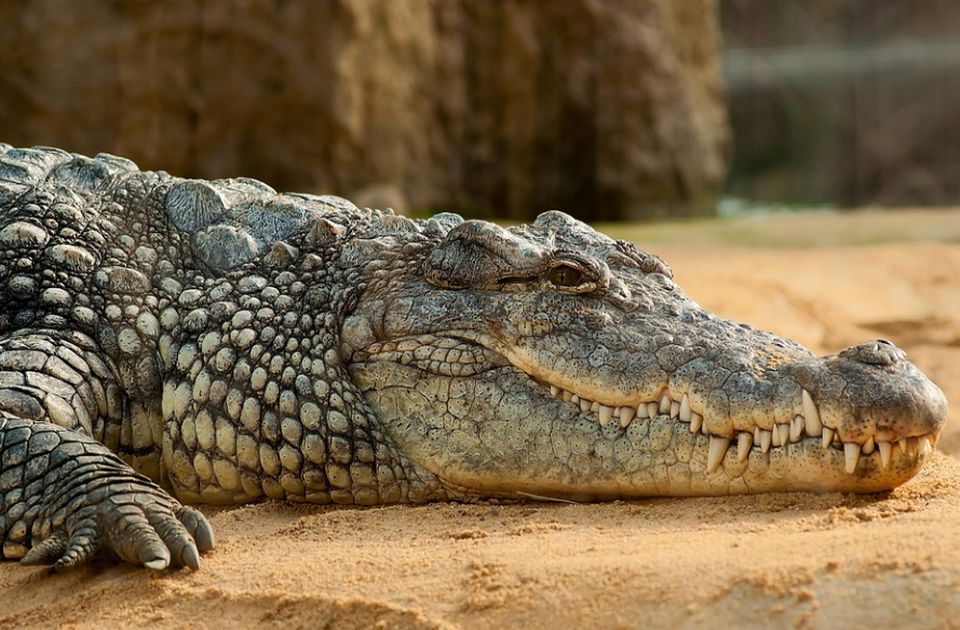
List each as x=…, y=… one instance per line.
x=551, y=360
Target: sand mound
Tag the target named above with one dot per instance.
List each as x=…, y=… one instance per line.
x=780, y=559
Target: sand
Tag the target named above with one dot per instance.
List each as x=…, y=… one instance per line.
x=787, y=560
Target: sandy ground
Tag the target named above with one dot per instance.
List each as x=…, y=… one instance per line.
x=789, y=560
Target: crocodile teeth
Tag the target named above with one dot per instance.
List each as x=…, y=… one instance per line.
x=594, y=406
x=674, y=409
x=744, y=442
x=605, y=415
x=811, y=414
x=775, y=438
x=567, y=396
x=827, y=437
x=626, y=415
x=868, y=446
x=576, y=399
x=851, y=453
x=784, y=433
x=796, y=429
x=665, y=404
x=718, y=448
x=685, y=409
x=652, y=410
x=765, y=438
x=696, y=420
x=554, y=390
x=885, y=449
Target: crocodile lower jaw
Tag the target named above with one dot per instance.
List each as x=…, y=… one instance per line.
x=807, y=427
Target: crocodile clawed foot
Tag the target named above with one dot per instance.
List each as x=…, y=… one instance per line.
x=155, y=534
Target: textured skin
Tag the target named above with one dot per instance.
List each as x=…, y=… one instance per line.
x=228, y=343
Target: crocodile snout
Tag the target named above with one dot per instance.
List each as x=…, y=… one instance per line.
x=882, y=387
x=870, y=394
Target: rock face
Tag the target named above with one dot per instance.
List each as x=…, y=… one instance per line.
x=607, y=109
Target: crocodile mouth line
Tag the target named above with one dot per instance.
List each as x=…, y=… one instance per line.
x=808, y=426
x=465, y=354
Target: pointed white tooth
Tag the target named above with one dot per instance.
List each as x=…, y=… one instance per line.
x=718, y=448
x=594, y=406
x=685, y=409
x=665, y=404
x=925, y=445
x=605, y=415
x=766, y=437
x=584, y=405
x=567, y=396
x=756, y=435
x=796, y=429
x=827, y=437
x=652, y=410
x=696, y=421
x=616, y=412
x=851, y=453
x=784, y=433
x=811, y=415
x=574, y=398
x=626, y=415
x=885, y=450
x=868, y=446
x=775, y=437
x=554, y=390
x=744, y=442
x=674, y=409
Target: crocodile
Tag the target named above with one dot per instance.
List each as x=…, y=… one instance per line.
x=169, y=341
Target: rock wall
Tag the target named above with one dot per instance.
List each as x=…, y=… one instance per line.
x=607, y=109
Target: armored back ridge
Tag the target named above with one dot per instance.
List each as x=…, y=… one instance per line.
x=219, y=342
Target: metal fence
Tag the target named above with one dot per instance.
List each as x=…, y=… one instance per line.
x=844, y=102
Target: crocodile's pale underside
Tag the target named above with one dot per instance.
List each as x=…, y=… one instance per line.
x=229, y=343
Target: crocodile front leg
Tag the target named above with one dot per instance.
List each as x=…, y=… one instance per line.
x=65, y=497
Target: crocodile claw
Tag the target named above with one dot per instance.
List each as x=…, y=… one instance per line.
x=90, y=503
x=135, y=525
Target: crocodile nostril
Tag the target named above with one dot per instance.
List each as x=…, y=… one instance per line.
x=878, y=352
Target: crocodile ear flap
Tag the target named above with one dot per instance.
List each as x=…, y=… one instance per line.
x=479, y=254
x=457, y=265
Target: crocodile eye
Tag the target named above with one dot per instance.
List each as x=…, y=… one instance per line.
x=565, y=276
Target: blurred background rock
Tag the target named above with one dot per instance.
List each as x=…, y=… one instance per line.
x=503, y=108
x=609, y=109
